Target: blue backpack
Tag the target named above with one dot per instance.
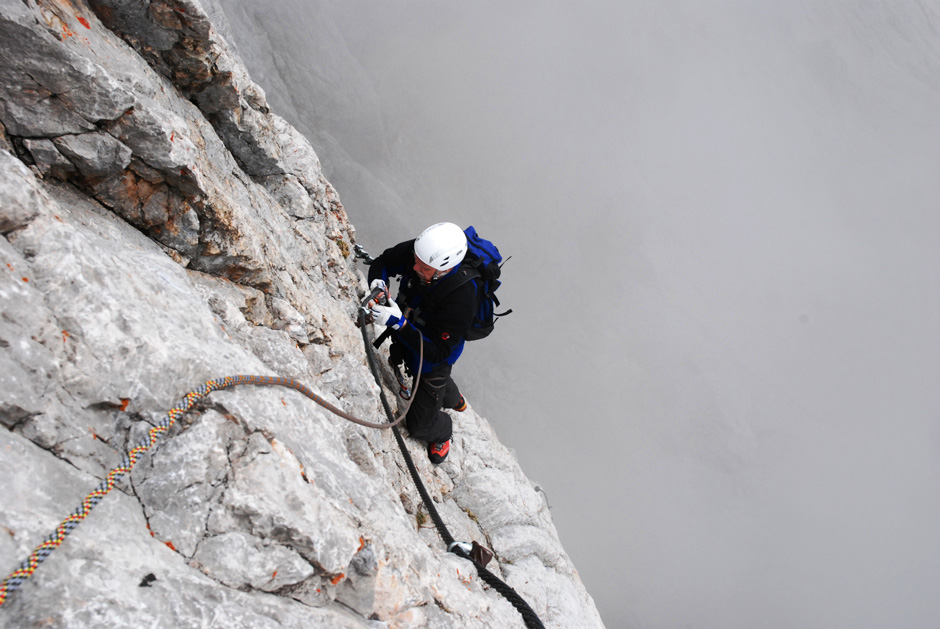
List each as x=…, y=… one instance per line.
x=481, y=263
x=484, y=262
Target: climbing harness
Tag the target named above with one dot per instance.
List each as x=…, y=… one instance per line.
x=477, y=554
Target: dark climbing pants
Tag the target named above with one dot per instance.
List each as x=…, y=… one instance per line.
x=426, y=421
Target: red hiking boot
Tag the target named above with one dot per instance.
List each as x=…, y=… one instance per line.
x=461, y=405
x=437, y=452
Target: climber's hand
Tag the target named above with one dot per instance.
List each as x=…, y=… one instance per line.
x=380, y=284
x=389, y=315
x=378, y=295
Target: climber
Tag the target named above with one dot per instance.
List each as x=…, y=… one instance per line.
x=436, y=303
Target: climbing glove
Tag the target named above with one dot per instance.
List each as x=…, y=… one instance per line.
x=378, y=293
x=379, y=283
x=389, y=315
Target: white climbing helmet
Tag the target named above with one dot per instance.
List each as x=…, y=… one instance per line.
x=441, y=246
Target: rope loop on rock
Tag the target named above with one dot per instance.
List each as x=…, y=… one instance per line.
x=55, y=539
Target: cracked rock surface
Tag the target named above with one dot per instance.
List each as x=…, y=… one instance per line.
x=160, y=228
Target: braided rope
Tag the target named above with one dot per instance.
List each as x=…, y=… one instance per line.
x=29, y=565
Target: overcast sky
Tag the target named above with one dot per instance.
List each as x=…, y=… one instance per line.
x=723, y=361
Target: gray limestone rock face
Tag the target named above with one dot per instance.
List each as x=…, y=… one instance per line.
x=47, y=158
x=242, y=561
x=160, y=229
x=26, y=361
x=94, y=154
x=113, y=573
x=22, y=198
x=50, y=89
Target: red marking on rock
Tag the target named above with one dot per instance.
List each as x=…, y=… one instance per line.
x=84, y=22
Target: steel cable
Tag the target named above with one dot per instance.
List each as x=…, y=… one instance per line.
x=529, y=616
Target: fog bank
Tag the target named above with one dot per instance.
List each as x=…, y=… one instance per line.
x=723, y=228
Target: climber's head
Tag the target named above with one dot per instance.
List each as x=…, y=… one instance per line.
x=438, y=249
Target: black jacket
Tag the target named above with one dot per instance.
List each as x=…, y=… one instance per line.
x=441, y=312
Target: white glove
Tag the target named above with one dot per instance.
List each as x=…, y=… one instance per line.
x=378, y=284
x=389, y=315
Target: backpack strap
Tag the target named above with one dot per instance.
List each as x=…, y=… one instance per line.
x=447, y=285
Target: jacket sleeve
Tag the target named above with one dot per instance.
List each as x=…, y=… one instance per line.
x=394, y=261
x=446, y=327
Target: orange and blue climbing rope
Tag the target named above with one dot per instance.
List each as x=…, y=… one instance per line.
x=29, y=565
